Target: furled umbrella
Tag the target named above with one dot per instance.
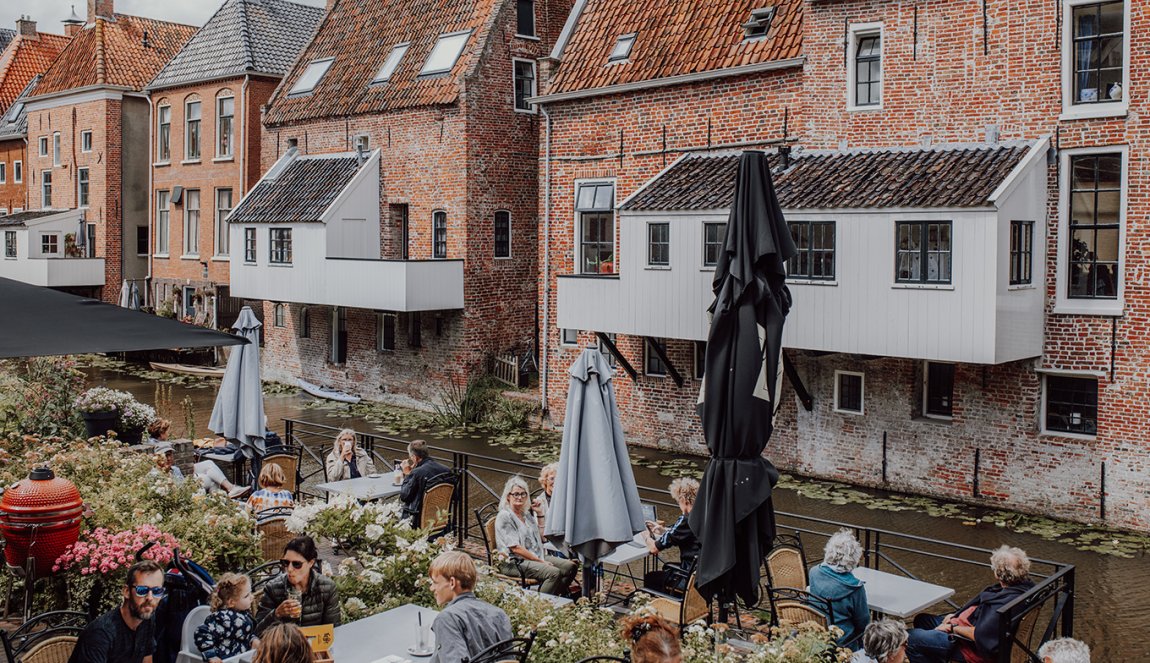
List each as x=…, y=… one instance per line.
x=733, y=515
x=238, y=413
x=595, y=503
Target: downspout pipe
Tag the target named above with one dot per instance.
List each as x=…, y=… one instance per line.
x=545, y=336
x=151, y=203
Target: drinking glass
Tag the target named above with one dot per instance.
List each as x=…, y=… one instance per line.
x=296, y=595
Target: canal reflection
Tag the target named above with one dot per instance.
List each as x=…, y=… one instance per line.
x=1112, y=593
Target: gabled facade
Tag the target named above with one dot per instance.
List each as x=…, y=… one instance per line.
x=205, y=148
x=88, y=137
x=439, y=88
x=986, y=351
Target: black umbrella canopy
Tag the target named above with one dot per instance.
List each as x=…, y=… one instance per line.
x=733, y=516
x=41, y=321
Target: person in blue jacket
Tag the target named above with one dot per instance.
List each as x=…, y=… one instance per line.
x=834, y=580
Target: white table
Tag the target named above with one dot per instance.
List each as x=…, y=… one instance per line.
x=386, y=634
x=366, y=488
x=899, y=596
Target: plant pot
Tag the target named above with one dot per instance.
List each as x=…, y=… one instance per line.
x=99, y=423
x=131, y=435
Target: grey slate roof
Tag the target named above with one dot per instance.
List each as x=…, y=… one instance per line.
x=6, y=37
x=14, y=122
x=244, y=36
x=19, y=219
x=301, y=193
x=917, y=178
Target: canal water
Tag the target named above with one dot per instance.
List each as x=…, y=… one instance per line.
x=1112, y=590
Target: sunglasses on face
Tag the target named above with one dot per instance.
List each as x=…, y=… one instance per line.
x=294, y=563
x=144, y=590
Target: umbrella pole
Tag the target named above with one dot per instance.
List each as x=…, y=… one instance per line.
x=590, y=579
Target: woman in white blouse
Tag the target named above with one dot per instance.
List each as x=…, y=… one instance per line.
x=517, y=534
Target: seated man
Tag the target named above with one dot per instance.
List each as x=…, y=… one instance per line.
x=418, y=470
x=467, y=625
x=976, y=623
x=126, y=633
x=673, y=577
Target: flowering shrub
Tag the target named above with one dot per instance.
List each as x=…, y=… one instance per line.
x=37, y=397
x=103, y=399
x=104, y=551
x=787, y=643
x=136, y=416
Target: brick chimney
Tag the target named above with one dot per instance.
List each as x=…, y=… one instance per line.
x=73, y=23
x=26, y=28
x=101, y=8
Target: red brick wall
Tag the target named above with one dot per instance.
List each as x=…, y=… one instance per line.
x=12, y=193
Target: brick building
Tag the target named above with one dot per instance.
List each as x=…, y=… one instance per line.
x=87, y=132
x=968, y=307
x=440, y=273
x=27, y=54
x=206, y=145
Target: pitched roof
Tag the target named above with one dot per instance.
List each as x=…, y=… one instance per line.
x=243, y=36
x=14, y=122
x=673, y=38
x=302, y=192
x=6, y=37
x=113, y=53
x=19, y=219
x=360, y=35
x=25, y=58
x=917, y=178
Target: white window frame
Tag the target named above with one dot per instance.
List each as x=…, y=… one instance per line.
x=46, y=194
x=1071, y=110
x=566, y=341
x=191, y=248
x=320, y=65
x=56, y=149
x=366, y=139
x=231, y=144
x=1042, y=403
x=532, y=109
x=862, y=394
x=79, y=181
x=18, y=171
x=391, y=63
x=86, y=140
x=188, y=158
x=11, y=240
x=1063, y=304
x=578, y=226
x=55, y=244
x=440, y=49
x=221, y=226
x=381, y=323
x=855, y=33
x=279, y=315
x=621, y=50
x=163, y=142
x=163, y=231
x=251, y=255
x=647, y=244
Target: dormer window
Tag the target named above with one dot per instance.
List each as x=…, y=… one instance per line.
x=445, y=54
x=310, y=77
x=759, y=23
x=391, y=63
x=622, y=50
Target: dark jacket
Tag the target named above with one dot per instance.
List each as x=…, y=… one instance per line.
x=847, y=598
x=680, y=535
x=320, y=602
x=416, y=482
x=985, y=618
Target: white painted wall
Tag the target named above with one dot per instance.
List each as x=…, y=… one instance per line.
x=1020, y=315
x=353, y=218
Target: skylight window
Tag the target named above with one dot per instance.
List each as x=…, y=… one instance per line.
x=391, y=63
x=622, y=50
x=759, y=22
x=446, y=52
x=311, y=76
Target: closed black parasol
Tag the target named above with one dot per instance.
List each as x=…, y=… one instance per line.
x=41, y=321
x=733, y=515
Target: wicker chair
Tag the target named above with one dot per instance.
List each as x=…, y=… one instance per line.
x=58, y=629
x=289, y=462
x=787, y=563
x=274, y=535
x=436, y=511
x=682, y=611
x=487, y=529
x=515, y=649
x=796, y=606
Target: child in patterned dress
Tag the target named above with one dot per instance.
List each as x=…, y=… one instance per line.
x=229, y=629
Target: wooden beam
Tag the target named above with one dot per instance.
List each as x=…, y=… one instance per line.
x=623, y=363
x=797, y=383
x=663, y=358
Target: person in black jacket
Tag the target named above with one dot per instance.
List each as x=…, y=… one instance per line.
x=933, y=640
x=126, y=633
x=420, y=471
x=301, y=594
x=673, y=577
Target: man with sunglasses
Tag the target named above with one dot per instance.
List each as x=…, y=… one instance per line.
x=126, y=633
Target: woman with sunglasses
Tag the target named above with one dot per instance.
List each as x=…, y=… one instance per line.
x=300, y=595
x=517, y=536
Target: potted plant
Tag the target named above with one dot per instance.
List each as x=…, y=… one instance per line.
x=134, y=420
x=607, y=265
x=101, y=407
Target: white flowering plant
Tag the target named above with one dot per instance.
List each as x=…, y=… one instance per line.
x=136, y=416
x=103, y=399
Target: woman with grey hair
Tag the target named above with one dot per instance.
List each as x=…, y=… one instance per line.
x=834, y=580
x=1064, y=650
x=517, y=535
x=883, y=641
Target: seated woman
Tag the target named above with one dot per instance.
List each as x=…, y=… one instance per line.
x=284, y=643
x=517, y=534
x=883, y=641
x=543, y=502
x=347, y=460
x=673, y=577
x=210, y=476
x=301, y=594
x=271, y=494
x=834, y=581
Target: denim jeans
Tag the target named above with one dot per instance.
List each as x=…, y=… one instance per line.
x=926, y=645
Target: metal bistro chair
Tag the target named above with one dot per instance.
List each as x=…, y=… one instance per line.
x=289, y=458
x=625, y=658
x=515, y=649
x=274, y=535
x=796, y=606
x=487, y=530
x=261, y=576
x=787, y=563
x=49, y=637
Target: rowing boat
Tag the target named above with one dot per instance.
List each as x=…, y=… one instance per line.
x=189, y=369
x=327, y=392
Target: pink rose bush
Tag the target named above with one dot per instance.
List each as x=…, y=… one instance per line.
x=104, y=551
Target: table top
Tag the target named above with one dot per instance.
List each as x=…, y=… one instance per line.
x=632, y=551
x=389, y=633
x=897, y=595
x=364, y=488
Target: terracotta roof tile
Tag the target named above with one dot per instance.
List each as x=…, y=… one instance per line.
x=359, y=35
x=922, y=178
x=674, y=37
x=113, y=53
x=23, y=59
x=301, y=193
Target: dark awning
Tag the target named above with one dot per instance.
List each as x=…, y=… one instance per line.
x=41, y=321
